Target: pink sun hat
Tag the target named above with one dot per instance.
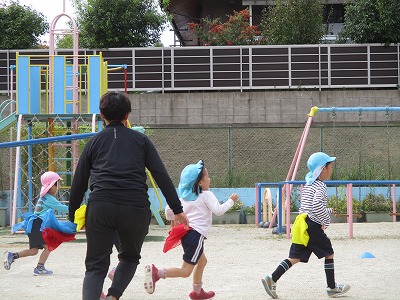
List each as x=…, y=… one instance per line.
x=48, y=179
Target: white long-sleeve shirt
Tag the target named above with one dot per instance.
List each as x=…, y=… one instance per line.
x=199, y=211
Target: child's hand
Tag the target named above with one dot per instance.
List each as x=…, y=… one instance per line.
x=174, y=223
x=234, y=197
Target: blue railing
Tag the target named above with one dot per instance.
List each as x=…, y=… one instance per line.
x=281, y=184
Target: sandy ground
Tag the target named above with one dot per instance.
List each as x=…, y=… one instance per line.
x=238, y=257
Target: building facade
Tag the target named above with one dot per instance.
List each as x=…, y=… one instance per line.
x=184, y=12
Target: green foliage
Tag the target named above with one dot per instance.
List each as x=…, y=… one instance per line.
x=118, y=23
x=339, y=204
x=295, y=199
x=377, y=203
x=65, y=42
x=21, y=27
x=237, y=206
x=372, y=21
x=293, y=22
x=366, y=171
x=250, y=210
x=236, y=31
x=164, y=4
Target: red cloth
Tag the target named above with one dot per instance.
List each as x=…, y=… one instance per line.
x=175, y=236
x=54, y=238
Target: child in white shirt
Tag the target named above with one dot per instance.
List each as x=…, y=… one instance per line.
x=199, y=204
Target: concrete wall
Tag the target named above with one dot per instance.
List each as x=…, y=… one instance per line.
x=256, y=108
x=264, y=108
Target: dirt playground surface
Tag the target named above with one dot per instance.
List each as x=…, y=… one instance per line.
x=238, y=257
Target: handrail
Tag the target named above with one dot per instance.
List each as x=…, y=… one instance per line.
x=281, y=184
x=4, y=105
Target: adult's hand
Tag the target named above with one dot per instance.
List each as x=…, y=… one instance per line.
x=182, y=219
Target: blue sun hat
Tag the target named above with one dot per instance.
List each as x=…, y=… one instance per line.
x=189, y=176
x=315, y=164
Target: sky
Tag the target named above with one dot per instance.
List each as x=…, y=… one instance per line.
x=52, y=8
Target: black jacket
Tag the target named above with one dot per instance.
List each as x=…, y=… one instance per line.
x=115, y=160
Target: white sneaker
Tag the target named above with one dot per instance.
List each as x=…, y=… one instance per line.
x=270, y=286
x=339, y=290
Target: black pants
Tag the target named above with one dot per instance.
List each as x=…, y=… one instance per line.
x=103, y=221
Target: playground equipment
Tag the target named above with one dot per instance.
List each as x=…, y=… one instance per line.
x=55, y=110
x=285, y=187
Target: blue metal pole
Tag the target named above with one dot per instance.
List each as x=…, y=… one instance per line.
x=279, y=205
x=357, y=109
x=60, y=138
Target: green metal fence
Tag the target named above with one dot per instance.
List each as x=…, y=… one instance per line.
x=239, y=157
x=242, y=156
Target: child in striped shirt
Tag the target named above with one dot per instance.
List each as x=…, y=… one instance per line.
x=317, y=219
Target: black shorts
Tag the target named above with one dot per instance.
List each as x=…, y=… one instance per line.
x=193, y=247
x=35, y=237
x=319, y=244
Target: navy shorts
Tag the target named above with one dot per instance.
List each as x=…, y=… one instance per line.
x=193, y=247
x=319, y=244
x=35, y=237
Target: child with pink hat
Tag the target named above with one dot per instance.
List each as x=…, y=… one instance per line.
x=33, y=224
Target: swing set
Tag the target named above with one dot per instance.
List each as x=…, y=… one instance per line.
x=282, y=211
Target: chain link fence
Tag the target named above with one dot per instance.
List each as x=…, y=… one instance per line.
x=38, y=158
x=240, y=157
x=235, y=157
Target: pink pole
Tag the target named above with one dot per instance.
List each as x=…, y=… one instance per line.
x=296, y=159
x=350, y=208
x=394, y=202
x=11, y=149
x=17, y=162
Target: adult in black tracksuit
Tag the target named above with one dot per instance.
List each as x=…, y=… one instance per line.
x=115, y=160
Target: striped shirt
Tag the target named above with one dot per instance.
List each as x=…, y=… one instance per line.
x=313, y=203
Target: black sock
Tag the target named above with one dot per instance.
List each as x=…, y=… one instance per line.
x=330, y=272
x=281, y=269
x=15, y=255
x=40, y=266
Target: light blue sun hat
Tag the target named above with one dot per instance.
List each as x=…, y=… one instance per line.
x=315, y=164
x=188, y=178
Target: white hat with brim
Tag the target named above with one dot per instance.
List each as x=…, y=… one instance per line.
x=48, y=179
x=188, y=178
x=315, y=164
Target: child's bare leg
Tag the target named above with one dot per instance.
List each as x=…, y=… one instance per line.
x=198, y=270
x=28, y=252
x=183, y=271
x=44, y=255
x=294, y=260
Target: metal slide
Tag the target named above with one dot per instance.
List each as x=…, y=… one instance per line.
x=10, y=119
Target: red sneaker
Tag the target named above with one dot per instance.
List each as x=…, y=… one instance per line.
x=202, y=295
x=150, y=278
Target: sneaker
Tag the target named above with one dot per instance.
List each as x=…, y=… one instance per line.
x=43, y=271
x=8, y=260
x=111, y=274
x=339, y=290
x=150, y=278
x=202, y=295
x=270, y=286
